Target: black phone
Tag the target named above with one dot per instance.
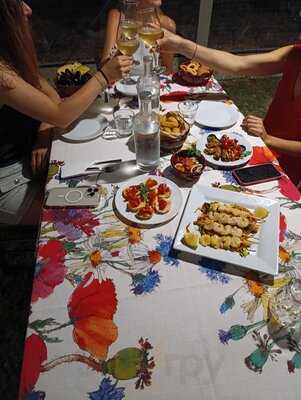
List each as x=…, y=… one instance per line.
x=256, y=174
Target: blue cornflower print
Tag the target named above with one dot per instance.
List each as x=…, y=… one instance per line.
x=208, y=130
x=143, y=284
x=228, y=304
x=165, y=243
x=229, y=178
x=213, y=270
x=36, y=396
x=224, y=336
x=107, y=391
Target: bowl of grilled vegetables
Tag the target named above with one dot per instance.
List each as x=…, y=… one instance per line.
x=188, y=164
x=173, y=131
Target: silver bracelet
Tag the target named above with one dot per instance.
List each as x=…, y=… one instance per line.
x=195, y=50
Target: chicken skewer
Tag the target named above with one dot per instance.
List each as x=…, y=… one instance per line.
x=224, y=242
x=232, y=209
x=241, y=222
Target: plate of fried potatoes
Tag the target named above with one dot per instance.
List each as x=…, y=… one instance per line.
x=173, y=130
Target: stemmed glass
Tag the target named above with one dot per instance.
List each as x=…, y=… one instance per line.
x=127, y=36
x=150, y=31
x=285, y=310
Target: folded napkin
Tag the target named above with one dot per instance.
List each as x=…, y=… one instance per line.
x=181, y=95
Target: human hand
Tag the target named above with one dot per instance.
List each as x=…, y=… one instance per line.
x=170, y=42
x=254, y=125
x=117, y=67
x=40, y=153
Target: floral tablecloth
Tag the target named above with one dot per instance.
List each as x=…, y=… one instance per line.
x=117, y=314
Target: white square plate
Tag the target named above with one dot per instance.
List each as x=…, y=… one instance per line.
x=263, y=255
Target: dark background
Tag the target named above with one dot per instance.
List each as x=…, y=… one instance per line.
x=69, y=30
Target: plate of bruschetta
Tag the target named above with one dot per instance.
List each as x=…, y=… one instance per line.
x=148, y=200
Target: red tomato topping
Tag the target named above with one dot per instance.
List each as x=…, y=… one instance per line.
x=131, y=192
x=152, y=195
x=151, y=183
x=163, y=188
x=133, y=203
x=146, y=211
x=162, y=204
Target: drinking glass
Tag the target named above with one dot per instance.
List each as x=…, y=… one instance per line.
x=285, y=311
x=124, y=122
x=150, y=31
x=188, y=110
x=127, y=35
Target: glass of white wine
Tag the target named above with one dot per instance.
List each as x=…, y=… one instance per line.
x=150, y=31
x=127, y=37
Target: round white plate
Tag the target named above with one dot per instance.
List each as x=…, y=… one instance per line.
x=176, y=202
x=86, y=129
x=216, y=114
x=201, y=145
x=127, y=90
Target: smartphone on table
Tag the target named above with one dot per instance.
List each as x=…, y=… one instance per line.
x=256, y=174
x=79, y=197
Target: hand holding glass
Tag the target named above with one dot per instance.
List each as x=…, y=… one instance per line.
x=127, y=40
x=150, y=31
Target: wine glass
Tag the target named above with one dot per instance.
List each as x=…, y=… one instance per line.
x=150, y=31
x=127, y=36
x=285, y=311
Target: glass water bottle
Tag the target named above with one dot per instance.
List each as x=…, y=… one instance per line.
x=148, y=85
x=147, y=136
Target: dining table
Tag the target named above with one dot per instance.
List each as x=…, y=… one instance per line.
x=118, y=313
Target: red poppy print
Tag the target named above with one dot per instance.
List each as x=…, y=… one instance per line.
x=50, y=269
x=91, y=308
x=35, y=353
x=261, y=154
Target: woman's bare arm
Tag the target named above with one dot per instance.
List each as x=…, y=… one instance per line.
x=33, y=102
x=290, y=147
x=49, y=90
x=111, y=33
x=30, y=101
x=227, y=63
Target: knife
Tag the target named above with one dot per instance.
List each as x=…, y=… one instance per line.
x=103, y=164
x=97, y=167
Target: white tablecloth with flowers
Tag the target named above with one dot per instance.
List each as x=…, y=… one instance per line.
x=116, y=314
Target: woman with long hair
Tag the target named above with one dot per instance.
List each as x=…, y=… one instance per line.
x=281, y=128
x=29, y=106
x=113, y=18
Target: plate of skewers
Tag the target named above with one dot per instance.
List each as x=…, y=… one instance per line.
x=232, y=227
x=148, y=200
x=229, y=150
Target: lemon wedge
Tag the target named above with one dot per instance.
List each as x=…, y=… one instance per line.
x=261, y=212
x=83, y=69
x=191, y=239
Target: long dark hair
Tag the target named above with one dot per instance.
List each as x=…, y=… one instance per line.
x=17, y=49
